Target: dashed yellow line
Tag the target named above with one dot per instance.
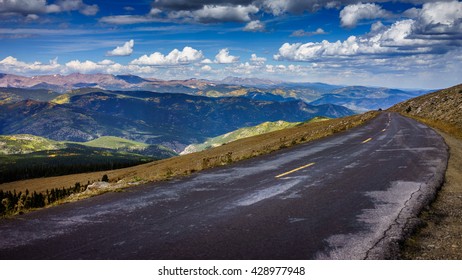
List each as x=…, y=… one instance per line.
x=367, y=140
x=294, y=170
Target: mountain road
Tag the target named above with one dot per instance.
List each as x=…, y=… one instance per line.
x=353, y=195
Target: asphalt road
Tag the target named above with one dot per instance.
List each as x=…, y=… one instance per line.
x=349, y=196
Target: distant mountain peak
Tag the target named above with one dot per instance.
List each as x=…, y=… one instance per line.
x=247, y=81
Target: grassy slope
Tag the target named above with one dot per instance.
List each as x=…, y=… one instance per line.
x=26, y=143
x=440, y=236
x=239, y=134
x=187, y=164
x=112, y=142
x=245, y=132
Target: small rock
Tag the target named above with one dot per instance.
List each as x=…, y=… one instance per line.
x=98, y=185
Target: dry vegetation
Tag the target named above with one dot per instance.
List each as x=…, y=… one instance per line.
x=441, y=109
x=440, y=234
x=187, y=164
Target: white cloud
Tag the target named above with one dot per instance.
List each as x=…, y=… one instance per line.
x=129, y=19
x=303, y=33
x=90, y=67
x=23, y=7
x=216, y=13
x=206, y=68
x=436, y=28
x=12, y=65
x=206, y=61
x=255, y=60
x=352, y=14
x=73, y=5
x=254, y=26
x=32, y=17
x=106, y=62
x=223, y=57
x=125, y=50
x=313, y=51
x=276, y=7
x=225, y=13
x=35, y=7
x=439, y=18
x=186, y=56
x=83, y=67
x=205, y=14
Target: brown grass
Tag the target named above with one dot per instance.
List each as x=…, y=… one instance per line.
x=441, y=109
x=187, y=164
x=448, y=128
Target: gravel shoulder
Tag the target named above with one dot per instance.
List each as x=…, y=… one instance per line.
x=440, y=235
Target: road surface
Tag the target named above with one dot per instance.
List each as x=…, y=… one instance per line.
x=349, y=196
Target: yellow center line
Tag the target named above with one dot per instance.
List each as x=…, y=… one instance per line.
x=294, y=170
x=367, y=140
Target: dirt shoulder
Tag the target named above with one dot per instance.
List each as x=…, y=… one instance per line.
x=440, y=235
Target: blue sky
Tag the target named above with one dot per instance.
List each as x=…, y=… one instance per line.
x=402, y=43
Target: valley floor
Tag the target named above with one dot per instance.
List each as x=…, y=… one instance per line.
x=440, y=236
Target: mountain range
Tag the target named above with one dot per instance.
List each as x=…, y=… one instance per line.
x=173, y=120
x=359, y=99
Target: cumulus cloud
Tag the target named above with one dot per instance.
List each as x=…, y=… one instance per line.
x=216, y=13
x=439, y=19
x=223, y=57
x=278, y=7
x=206, y=61
x=28, y=8
x=225, y=13
x=352, y=14
x=176, y=57
x=436, y=28
x=303, y=33
x=255, y=60
x=11, y=64
x=254, y=26
x=124, y=50
x=206, y=68
x=106, y=62
x=205, y=14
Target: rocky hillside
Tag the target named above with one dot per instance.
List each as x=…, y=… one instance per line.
x=441, y=109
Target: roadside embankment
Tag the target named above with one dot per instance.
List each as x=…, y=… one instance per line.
x=440, y=233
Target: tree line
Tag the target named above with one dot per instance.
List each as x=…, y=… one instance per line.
x=25, y=169
x=16, y=202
